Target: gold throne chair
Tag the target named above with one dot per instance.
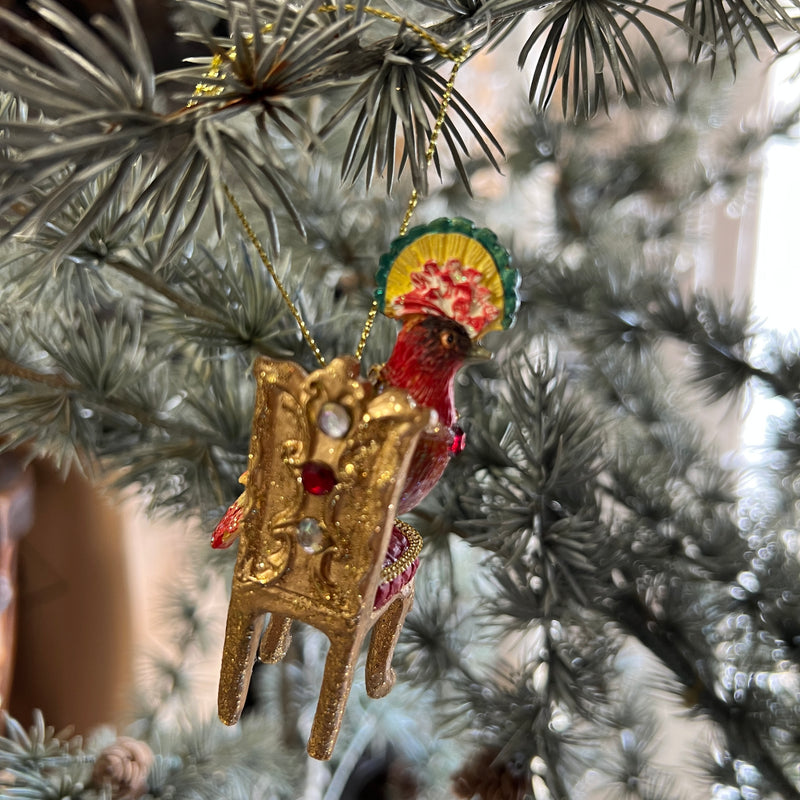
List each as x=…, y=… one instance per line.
x=327, y=464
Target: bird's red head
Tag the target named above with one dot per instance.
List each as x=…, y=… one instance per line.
x=428, y=353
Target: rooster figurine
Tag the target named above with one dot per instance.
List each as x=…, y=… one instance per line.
x=449, y=283
x=335, y=457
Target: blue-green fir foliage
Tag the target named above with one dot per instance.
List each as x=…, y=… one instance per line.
x=593, y=565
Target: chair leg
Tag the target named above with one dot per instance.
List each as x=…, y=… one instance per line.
x=276, y=639
x=380, y=676
x=336, y=683
x=242, y=634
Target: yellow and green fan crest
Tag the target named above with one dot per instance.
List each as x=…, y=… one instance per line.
x=449, y=268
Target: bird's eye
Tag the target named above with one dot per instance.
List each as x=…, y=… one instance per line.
x=448, y=339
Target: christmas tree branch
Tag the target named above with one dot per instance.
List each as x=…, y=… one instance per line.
x=53, y=381
x=679, y=458
x=111, y=404
x=653, y=311
x=675, y=653
x=161, y=287
x=732, y=365
x=216, y=315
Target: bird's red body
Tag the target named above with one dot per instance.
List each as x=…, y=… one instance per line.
x=427, y=355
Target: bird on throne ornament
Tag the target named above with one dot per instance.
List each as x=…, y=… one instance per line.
x=335, y=457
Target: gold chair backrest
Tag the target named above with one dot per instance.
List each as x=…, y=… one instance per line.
x=328, y=461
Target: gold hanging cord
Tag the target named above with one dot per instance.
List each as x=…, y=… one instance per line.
x=262, y=253
x=457, y=60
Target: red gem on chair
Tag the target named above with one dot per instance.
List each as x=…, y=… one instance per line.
x=317, y=478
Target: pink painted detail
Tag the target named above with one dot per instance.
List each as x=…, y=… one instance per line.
x=449, y=290
x=228, y=527
x=317, y=478
x=398, y=544
x=382, y=595
x=386, y=591
x=396, y=585
x=459, y=441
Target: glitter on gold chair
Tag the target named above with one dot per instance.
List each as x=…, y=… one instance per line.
x=318, y=537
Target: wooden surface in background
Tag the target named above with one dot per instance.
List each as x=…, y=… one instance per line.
x=16, y=518
x=74, y=641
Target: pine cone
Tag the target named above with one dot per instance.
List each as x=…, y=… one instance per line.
x=487, y=778
x=123, y=766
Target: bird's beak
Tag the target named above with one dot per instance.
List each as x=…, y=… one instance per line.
x=478, y=353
